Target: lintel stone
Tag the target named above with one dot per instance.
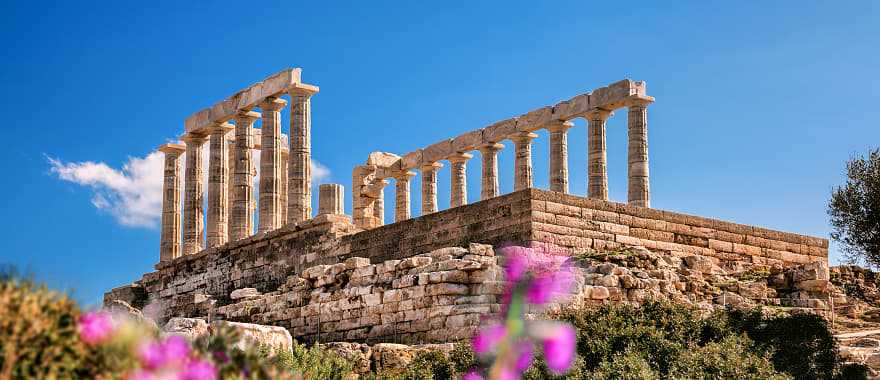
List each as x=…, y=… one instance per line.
x=499, y=131
x=437, y=152
x=468, y=141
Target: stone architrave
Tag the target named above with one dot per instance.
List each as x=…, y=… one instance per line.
x=402, y=209
x=523, y=160
x=241, y=215
x=489, y=179
x=429, y=187
x=169, y=247
x=299, y=197
x=597, y=156
x=458, y=195
x=218, y=178
x=638, y=189
x=194, y=196
x=270, y=165
x=559, y=155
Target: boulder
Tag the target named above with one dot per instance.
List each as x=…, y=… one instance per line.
x=244, y=293
x=356, y=353
x=190, y=328
x=277, y=338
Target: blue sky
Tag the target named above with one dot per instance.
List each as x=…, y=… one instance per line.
x=759, y=104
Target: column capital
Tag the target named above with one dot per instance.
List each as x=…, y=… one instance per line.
x=598, y=114
x=191, y=137
x=490, y=147
x=559, y=126
x=302, y=89
x=272, y=104
x=247, y=116
x=431, y=166
x=404, y=175
x=172, y=148
x=221, y=128
x=638, y=100
x=523, y=137
x=459, y=157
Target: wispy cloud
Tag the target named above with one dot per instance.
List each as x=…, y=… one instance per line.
x=132, y=194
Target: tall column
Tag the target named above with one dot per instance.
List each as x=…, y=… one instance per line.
x=559, y=155
x=270, y=165
x=429, y=187
x=638, y=190
x=230, y=184
x=379, y=202
x=218, y=176
x=459, y=179
x=299, y=199
x=285, y=198
x=330, y=198
x=169, y=245
x=489, y=180
x=523, y=160
x=597, y=157
x=402, y=209
x=241, y=215
x=194, y=196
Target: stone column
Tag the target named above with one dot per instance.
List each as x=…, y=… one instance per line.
x=270, y=165
x=299, y=199
x=402, y=209
x=597, y=157
x=559, y=155
x=230, y=184
x=169, y=245
x=194, y=196
x=523, y=160
x=218, y=176
x=638, y=190
x=285, y=156
x=241, y=215
x=330, y=199
x=429, y=187
x=459, y=179
x=489, y=182
x=379, y=202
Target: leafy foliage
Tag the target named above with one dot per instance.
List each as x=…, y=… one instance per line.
x=314, y=362
x=854, y=209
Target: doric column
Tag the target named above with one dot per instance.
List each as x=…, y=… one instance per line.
x=299, y=199
x=523, y=160
x=379, y=202
x=218, y=176
x=459, y=179
x=241, y=215
x=402, y=209
x=330, y=197
x=169, y=246
x=489, y=180
x=270, y=165
x=597, y=157
x=638, y=190
x=230, y=184
x=559, y=155
x=283, y=194
x=429, y=187
x=194, y=196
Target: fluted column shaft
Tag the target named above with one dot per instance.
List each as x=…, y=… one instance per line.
x=218, y=176
x=597, y=156
x=402, y=208
x=194, y=196
x=241, y=213
x=489, y=179
x=285, y=185
x=299, y=175
x=458, y=193
x=429, y=187
x=559, y=155
x=330, y=199
x=379, y=203
x=169, y=244
x=270, y=165
x=638, y=190
x=523, y=160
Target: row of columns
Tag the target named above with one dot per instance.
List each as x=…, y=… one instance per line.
x=637, y=169
x=284, y=183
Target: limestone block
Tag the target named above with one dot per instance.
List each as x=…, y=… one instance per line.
x=278, y=83
x=383, y=159
x=534, y=120
x=411, y=160
x=481, y=249
x=315, y=272
x=356, y=353
x=244, y=293
x=274, y=337
x=468, y=141
x=499, y=131
x=189, y=328
x=437, y=152
x=446, y=289
x=356, y=262
x=572, y=108
x=599, y=293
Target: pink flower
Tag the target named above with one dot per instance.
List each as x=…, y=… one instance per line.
x=173, y=351
x=472, y=375
x=517, y=263
x=559, y=348
x=95, y=327
x=524, y=356
x=176, y=348
x=151, y=355
x=199, y=370
x=487, y=339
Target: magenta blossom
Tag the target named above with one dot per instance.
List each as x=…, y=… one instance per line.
x=472, y=375
x=95, y=327
x=559, y=348
x=487, y=339
x=199, y=370
x=524, y=356
x=173, y=351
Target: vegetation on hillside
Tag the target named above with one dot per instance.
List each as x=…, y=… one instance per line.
x=854, y=210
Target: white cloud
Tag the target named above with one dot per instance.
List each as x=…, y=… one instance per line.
x=133, y=193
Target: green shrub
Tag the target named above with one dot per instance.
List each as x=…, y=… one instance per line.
x=731, y=358
x=629, y=365
x=314, y=362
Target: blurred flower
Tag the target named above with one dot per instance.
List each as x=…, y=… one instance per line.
x=486, y=340
x=95, y=327
x=199, y=370
x=559, y=348
x=525, y=355
x=472, y=375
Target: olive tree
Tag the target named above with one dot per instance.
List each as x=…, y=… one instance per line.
x=854, y=209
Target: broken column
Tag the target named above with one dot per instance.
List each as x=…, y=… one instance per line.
x=270, y=165
x=402, y=209
x=169, y=245
x=429, y=187
x=330, y=199
x=194, y=195
x=559, y=155
x=459, y=178
x=299, y=199
x=523, y=160
x=379, y=202
x=489, y=179
x=638, y=188
x=597, y=157
x=241, y=214
x=218, y=176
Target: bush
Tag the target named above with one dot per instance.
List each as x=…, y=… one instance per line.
x=731, y=358
x=314, y=362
